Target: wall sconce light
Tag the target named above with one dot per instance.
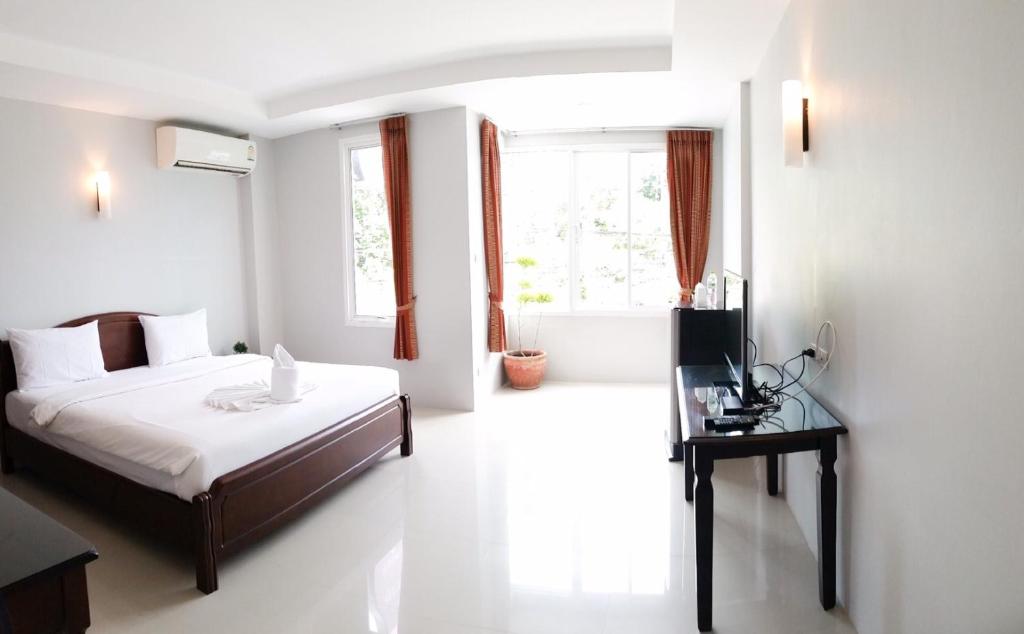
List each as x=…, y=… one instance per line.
x=102, y=180
x=795, y=135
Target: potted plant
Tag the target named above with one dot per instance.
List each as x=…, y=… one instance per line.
x=525, y=366
x=240, y=347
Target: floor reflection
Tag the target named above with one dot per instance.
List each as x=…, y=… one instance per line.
x=595, y=521
x=384, y=592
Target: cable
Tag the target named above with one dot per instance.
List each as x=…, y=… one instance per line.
x=803, y=419
x=775, y=395
x=803, y=368
x=782, y=379
x=817, y=345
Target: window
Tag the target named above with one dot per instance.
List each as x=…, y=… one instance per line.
x=589, y=228
x=371, y=281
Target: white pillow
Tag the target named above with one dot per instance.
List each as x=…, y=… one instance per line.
x=176, y=337
x=53, y=356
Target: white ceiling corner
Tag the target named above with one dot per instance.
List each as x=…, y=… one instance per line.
x=723, y=39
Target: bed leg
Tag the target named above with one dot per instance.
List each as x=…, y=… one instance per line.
x=202, y=538
x=406, y=447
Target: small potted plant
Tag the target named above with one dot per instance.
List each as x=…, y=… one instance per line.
x=240, y=347
x=525, y=366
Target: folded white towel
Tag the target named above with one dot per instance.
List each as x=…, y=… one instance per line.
x=248, y=397
x=284, y=384
x=282, y=359
x=242, y=397
x=284, y=377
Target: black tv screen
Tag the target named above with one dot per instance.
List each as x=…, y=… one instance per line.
x=736, y=314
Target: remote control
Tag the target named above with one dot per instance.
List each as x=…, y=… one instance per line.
x=729, y=423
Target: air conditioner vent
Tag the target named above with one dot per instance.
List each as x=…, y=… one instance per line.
x=212, y=167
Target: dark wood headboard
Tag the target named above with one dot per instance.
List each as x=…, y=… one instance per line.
x=121, y=339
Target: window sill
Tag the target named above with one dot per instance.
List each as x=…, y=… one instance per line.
x=371, y=322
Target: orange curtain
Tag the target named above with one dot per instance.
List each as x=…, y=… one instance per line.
x=490, y=171
x=396, y=188
x=689, y=191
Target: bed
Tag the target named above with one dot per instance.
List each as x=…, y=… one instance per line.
x=142, y=445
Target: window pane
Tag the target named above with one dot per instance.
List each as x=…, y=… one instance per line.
x=535, y=215
x=653, y=268
x=371, y=238
x=603, y=231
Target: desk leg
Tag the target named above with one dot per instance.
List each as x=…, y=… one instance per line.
x=704, y=526
x=688, y=472
x=827, y=492
x=773, y=473
x=76, y=600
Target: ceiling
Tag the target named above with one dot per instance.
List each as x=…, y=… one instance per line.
x=275, y=68
x=723, y=39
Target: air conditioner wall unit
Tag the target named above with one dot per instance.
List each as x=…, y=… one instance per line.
x=185, y=149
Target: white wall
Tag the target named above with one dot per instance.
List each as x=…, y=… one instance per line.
x=312, y=232
x=610, y=349
x=444, y=271
x=174, y=242
x=736, y=185
x=257, y=195
x=904, y=228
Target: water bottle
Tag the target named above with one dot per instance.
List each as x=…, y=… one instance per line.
x=700, y=296
x=712, y=291
x=712, y=402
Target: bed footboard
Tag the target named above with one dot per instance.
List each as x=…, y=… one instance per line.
x=246, y=504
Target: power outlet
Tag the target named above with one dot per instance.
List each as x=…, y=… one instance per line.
x=820, y=353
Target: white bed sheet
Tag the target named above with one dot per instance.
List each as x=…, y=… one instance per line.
x=151, y=425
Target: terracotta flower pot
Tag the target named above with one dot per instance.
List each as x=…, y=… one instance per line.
x=525, y=368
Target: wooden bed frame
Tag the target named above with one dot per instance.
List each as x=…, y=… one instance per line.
x=242, y=506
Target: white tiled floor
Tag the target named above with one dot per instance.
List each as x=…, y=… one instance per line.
x=551, y=511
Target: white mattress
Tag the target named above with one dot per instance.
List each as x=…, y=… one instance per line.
x=151, y=425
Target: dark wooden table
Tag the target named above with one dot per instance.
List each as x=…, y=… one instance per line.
x=42, y=572
x=802, y=425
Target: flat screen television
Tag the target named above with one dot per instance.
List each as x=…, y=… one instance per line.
x=736, y=356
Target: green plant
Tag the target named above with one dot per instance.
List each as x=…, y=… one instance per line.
x=528, y=297
x=240, y=347
x=651, y=187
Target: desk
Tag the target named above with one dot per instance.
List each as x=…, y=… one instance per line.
x=42, y=572
x=801, y=425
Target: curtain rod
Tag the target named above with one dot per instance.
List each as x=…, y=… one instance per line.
x=346, y=124
x=604, y=130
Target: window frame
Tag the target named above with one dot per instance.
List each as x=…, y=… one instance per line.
x=628, y=147
x=351, y=317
